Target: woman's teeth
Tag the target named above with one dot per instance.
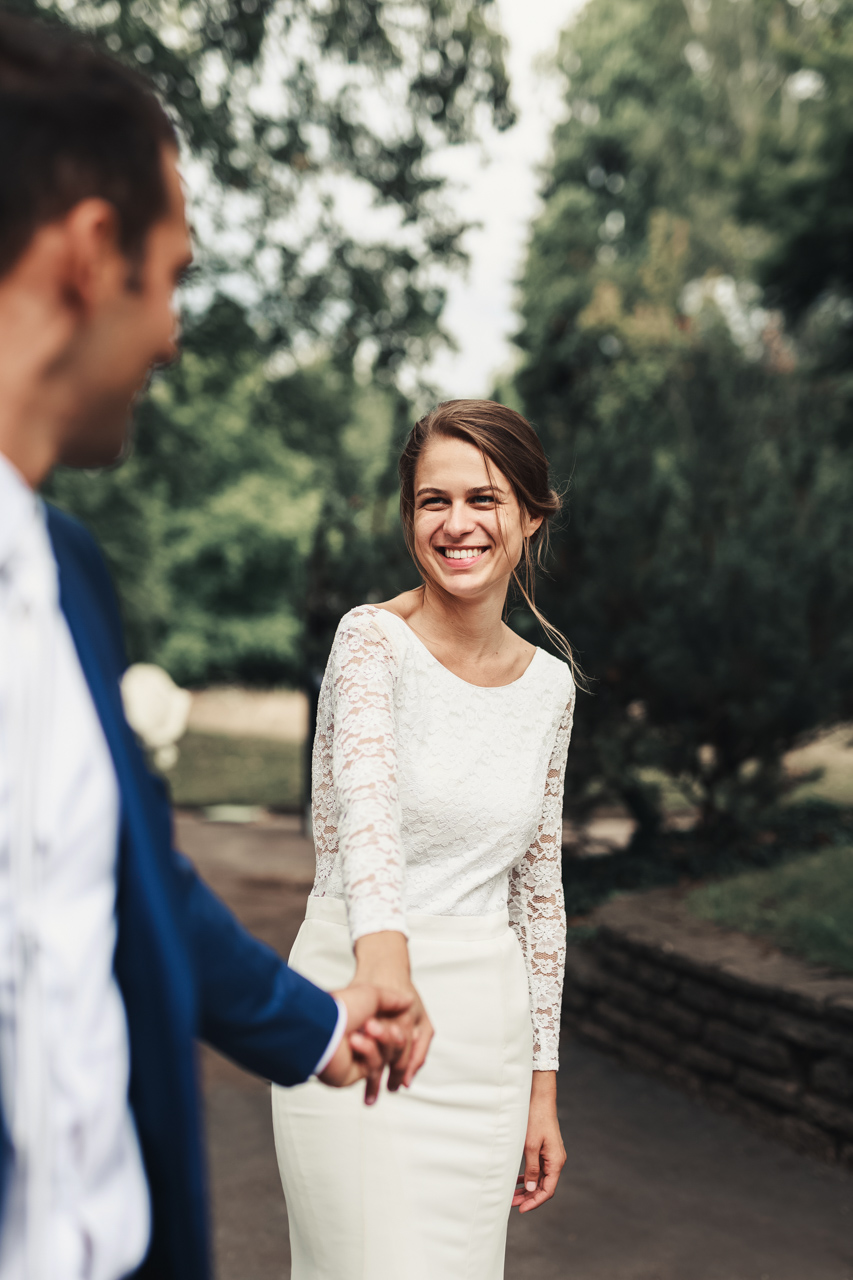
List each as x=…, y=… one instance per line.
x=462, y=553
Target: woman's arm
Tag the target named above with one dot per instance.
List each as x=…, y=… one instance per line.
x=360, y=739
x=538, y=916
x=364, y=769
x=382, y=959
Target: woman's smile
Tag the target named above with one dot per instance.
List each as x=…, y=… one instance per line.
x=462, y=557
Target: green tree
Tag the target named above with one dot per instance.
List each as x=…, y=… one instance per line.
x=800, y=186
x=253, y=511
x=250, y=514
x=292, y=112
x=704, y=572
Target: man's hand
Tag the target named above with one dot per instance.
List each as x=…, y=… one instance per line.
x=372, y=1037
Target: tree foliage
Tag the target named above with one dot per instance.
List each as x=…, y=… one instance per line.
x=705, y=570
x=800, y=184
x=296, y=112
x=253, y=511
x=254, y=506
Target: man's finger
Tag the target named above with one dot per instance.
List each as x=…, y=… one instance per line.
x=371, y=1088
x=387, y=1030
x=368, y=1052
x=389, y=1036
x=364, y=1001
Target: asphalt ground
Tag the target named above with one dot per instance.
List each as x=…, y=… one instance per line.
x=657, y=1187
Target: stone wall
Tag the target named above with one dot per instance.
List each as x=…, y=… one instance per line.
x=723, y=1016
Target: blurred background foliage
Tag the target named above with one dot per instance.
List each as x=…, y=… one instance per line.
x=686, y=327
x=256, y=507
x=686, y=309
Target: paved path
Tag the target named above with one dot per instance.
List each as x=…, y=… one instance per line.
x=657, y=1187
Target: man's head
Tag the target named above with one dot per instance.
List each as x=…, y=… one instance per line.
x=93, y=237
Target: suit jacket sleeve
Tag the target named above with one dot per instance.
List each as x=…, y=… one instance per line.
x=252, y=1006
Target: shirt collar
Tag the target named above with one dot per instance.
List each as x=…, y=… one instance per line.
x=18, y=509
x=26, y=556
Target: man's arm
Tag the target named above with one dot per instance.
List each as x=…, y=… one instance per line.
x=252, y=1007
x=249, y=1004
x=268, y=1018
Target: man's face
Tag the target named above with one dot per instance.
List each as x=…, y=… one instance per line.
x=133, y=327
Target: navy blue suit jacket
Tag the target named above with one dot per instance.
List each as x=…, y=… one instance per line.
x=185, y=967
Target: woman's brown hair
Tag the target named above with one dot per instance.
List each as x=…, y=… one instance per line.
x=507, y=440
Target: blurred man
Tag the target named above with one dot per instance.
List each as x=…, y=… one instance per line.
x=113, y=954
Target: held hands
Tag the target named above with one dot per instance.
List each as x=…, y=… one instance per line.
x=387, y=1024
x=383, y=959
x=372, y=1039
x=544, y=1153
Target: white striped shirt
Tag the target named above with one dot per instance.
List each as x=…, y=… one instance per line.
x=77, y=1205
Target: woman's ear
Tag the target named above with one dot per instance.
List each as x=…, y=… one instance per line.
x=530, y=524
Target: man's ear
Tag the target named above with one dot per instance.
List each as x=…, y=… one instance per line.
x=94, y=269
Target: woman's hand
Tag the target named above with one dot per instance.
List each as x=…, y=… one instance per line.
x=544, y=1153
x=382, y=960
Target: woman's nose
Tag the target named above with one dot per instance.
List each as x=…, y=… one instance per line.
x=458, y=521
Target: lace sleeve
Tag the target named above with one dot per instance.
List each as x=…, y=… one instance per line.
x=537, y=911
x=362, y=671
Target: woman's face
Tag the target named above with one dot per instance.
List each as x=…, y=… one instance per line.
x=469, y=527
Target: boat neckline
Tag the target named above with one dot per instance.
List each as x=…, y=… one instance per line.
x=486, y=687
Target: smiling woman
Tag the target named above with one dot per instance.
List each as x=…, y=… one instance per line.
x=493, y=515
x=438, y=782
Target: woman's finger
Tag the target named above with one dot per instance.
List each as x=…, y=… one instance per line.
x=406, y=1066
x=401, y=1063
x=544, y=1192
x=544, y=1178
x=532, y=1166
x=423, y=1039
x=397, y=1074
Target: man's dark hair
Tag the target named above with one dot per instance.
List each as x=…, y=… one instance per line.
x=74, y=124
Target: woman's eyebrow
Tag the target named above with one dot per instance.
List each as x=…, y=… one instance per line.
x=481, y=488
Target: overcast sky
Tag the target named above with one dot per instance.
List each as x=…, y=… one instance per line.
x=502, y=195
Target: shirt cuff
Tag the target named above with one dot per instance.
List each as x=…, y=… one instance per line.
x=337, y=1036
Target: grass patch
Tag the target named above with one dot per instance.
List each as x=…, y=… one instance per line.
x=214, y=768
x=804, y=906
x=682, y=857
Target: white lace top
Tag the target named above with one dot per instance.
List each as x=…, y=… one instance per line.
x=435, y=795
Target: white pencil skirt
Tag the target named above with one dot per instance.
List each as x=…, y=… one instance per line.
x=417, y=1187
